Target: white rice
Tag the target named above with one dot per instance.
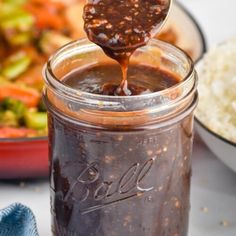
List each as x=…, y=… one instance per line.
x=217, y=90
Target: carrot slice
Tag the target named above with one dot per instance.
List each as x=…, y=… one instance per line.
x=9, y=132
x=28, y=96
x=46, y=13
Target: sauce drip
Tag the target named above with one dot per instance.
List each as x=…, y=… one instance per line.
x=120, y=27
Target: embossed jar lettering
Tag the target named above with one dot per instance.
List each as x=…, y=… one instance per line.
x=129, y=184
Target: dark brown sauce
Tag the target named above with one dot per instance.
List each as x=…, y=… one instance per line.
x=114, y=183
x=119, y=180
x=104, y=79
x=120, y=27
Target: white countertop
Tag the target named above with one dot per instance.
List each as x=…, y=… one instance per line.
x=213, y=194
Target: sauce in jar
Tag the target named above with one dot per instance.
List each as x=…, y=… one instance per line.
x=104, y=79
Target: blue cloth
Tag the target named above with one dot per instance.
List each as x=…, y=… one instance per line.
x=17, y=220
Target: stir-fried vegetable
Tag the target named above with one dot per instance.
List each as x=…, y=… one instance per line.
x=17, y=107
x=15, y=22
x=36, y=120
x=30, y=30
x=10, y=132
x=50, y=41
x=28, y=96
x=14, y=113
x=52, y=8
x=11, y=112
x=15, y=65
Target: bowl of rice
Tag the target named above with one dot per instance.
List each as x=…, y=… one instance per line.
x=216, y=111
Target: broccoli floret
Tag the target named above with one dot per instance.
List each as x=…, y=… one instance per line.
x=13, y=105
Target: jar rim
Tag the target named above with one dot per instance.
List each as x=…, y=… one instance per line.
x=167, y=105
x=51, y=78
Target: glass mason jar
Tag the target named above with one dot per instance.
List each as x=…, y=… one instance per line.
x=120, y=165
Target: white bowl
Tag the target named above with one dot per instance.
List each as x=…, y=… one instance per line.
x=221, y=147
